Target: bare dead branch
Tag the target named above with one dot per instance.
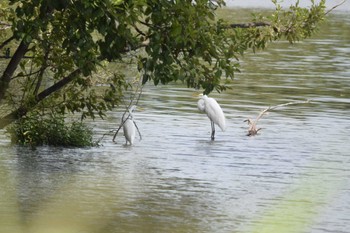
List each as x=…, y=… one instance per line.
x=335, y=7
x=138, y=92
x=253, y=130
x=121, y=125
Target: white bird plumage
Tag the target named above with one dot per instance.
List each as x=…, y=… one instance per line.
x=129, y=127
x=214, y=113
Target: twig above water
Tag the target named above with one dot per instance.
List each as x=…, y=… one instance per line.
x=335, y=7
x=253, y=130
x=138, y=92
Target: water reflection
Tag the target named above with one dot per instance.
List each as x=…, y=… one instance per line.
x=294, y=175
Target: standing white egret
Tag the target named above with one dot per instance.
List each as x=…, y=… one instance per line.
x=214, y=113
x=129, y=127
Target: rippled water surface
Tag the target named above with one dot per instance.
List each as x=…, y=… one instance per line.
x=293, y=177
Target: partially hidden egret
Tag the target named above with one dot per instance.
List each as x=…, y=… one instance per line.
x=214, y=113
x=129, y=126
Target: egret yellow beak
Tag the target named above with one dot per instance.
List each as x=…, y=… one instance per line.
x=197, y=95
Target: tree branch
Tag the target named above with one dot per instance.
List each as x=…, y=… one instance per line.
x=249, y=25
x=139, y=31
x=26, y=75
x=11, y=67
x=41, y=74
x=3, y=44
x=21, y=111
x=253, y=130
x=57, y=86
x=335, y=7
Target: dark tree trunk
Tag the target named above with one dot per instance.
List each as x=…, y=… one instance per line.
x=11, y=68
x=21, y=111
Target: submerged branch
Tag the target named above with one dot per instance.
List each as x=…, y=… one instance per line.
x=253, y=130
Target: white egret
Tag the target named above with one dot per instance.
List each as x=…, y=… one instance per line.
x=214, y=113
x=129, y=126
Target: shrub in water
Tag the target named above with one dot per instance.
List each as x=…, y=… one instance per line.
x=35, y=130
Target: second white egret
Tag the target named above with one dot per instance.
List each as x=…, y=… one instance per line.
x=129, y=127
x=214, y=113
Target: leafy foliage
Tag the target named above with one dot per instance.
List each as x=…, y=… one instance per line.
x=35, y=130
x=70, y=44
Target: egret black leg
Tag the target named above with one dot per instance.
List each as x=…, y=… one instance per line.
x=212, y=131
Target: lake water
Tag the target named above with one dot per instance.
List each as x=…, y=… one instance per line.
x=292, y=177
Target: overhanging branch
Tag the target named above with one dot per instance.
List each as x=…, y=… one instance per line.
x=11, y=67
x=249, y=25
x=3, y=44
x=21, y=111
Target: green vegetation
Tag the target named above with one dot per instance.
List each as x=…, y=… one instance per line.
x=35, y=130
x=60, y=50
